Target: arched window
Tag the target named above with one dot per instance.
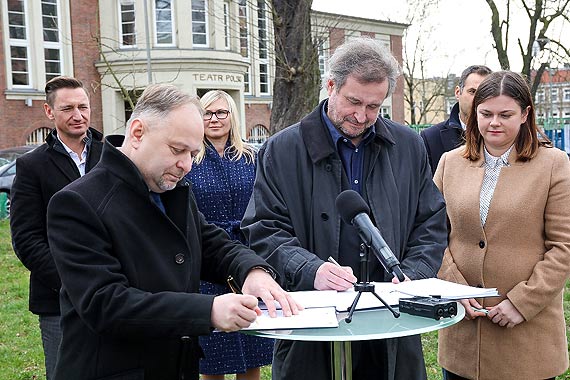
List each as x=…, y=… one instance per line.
x=258, y=134
x=38, y=136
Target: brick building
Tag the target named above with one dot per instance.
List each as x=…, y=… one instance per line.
x=114, y=45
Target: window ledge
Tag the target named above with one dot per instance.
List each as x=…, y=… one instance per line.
x=24, y=94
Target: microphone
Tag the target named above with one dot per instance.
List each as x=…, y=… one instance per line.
x=354, y=211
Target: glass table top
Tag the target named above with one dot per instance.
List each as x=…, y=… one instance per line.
x=366, y=325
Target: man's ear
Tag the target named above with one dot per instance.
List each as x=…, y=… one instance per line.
x=48, y=111
x=136, y=132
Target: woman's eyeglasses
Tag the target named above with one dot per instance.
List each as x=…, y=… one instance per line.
x=220, y=114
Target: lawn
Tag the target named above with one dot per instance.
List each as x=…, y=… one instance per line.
x=21, y=356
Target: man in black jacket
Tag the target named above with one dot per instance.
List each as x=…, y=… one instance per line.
x=448, y=135
x=291, y=219
x=71, y=149
x=131, y=247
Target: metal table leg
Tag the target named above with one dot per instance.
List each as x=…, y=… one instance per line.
x=341, y=361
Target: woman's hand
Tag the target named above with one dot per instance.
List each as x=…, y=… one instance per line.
x=505, y=314
x=469, y=305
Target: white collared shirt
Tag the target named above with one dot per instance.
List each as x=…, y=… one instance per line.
x=79, y=161
x=493, y=167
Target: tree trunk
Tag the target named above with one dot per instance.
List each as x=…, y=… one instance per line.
x=297, y=76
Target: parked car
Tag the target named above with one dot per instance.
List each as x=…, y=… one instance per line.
x=7, y=173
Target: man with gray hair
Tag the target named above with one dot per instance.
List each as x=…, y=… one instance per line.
x=292, y=222
x=131, y=248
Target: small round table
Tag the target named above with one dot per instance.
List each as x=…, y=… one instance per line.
x=365, y=325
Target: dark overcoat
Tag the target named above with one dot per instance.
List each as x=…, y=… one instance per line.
x=443, y=137
x=130, y=274
x=39, y=175
x=292, y=222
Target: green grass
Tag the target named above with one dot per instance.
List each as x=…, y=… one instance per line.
x=21, y=355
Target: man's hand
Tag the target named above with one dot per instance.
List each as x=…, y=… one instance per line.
x=232, y=312
x=260, y=284
x=505, y=314
x=330, y=276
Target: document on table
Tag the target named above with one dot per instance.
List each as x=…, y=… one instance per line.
x=444, y=289
x=391, y=293
x=317, y=317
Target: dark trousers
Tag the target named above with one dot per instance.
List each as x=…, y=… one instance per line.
x=51, y=338
x=451, y=376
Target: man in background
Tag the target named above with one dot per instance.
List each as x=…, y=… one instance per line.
x=292, y=222
x=449, y=134
x=71, y=149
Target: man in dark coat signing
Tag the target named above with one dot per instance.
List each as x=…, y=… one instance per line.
x=292, y=222
x=131, y=248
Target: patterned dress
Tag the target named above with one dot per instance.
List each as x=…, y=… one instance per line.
x=222, y=188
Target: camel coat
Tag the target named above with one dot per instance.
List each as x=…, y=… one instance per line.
x=523, y=251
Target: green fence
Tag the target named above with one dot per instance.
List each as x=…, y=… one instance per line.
x=3, y=201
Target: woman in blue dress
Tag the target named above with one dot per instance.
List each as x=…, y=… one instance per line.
x=222, y=181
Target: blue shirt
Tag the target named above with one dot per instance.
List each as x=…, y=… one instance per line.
x=352, y=157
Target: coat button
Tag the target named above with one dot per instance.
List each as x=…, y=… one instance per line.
x=179, y=258
x=328, y=167
x=324, y=216
x=482, y=244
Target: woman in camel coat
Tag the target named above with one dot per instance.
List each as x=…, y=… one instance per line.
x=510, y=230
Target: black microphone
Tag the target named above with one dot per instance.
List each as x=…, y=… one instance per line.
x=354, y=211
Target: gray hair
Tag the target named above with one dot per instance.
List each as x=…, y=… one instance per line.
x=367, y=60
x=158, y=100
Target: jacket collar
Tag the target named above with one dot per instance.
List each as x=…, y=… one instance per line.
x=314, y=132
x=92, y=134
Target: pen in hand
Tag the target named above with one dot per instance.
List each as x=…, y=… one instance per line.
x=332, y=260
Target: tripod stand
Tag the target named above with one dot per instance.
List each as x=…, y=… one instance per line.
x=365, y=286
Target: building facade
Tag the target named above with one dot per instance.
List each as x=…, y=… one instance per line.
x=118, y=47
x=552, y=101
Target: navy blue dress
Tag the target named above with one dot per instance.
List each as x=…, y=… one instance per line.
x=222, y=188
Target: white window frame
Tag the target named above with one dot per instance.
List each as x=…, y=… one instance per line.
x=554, y=95
x=172, y=25
x=207, y=32
x=243, y=29
x=120, y=4
x=19, y=43
x=226, y=24
x=261, y=82
x=263, y=67
x=566, y=94
x=247, y=82
x=52, y=45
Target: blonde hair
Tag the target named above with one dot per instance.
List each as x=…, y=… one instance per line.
x=238, y=148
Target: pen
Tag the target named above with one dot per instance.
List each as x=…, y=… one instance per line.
x=232, y=283
x=331, y=260
x=485, y=311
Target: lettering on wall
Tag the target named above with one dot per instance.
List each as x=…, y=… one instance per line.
x=218, y=77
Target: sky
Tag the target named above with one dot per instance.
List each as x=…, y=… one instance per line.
x=461, y=30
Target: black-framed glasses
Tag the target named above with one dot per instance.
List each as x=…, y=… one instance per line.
x=220, y=114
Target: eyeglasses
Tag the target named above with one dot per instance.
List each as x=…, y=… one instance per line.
x=220, y=114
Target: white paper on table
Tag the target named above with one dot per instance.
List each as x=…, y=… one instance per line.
x=318, y=317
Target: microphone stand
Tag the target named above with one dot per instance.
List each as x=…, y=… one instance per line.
x=365, y=286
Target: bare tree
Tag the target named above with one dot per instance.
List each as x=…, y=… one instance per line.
x=424, y=96
x=297, y=77
x=542, y=15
